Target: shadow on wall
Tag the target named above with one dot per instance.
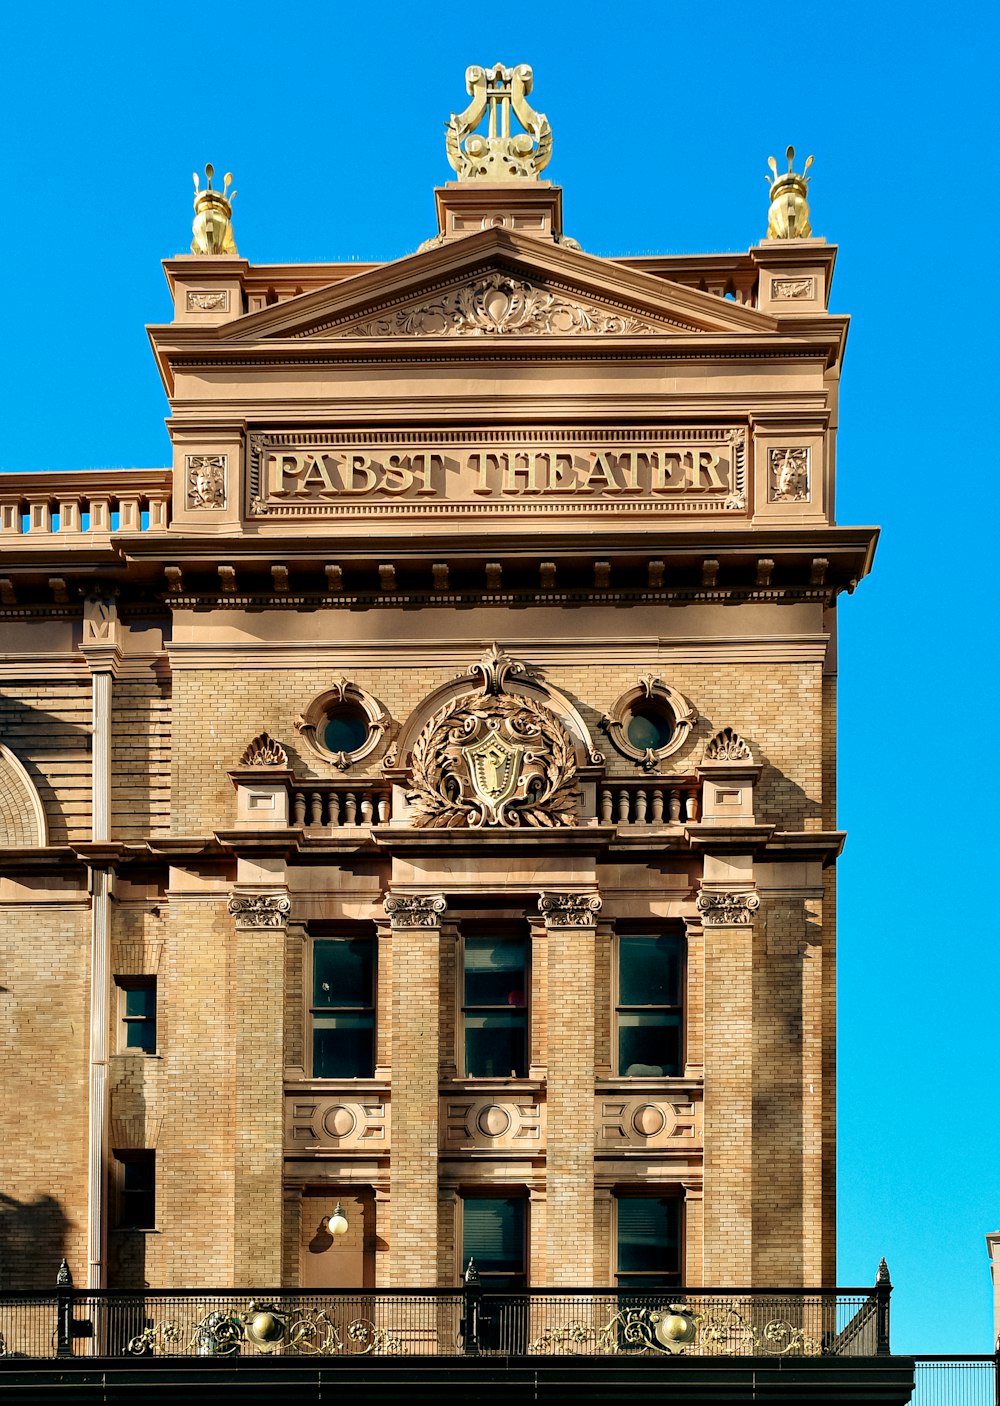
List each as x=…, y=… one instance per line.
x=32, y=1242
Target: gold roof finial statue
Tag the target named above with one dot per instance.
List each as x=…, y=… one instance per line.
x=498, y=156
x=213, y=215
x=788, y=215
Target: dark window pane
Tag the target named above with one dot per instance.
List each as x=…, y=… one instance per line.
x=139, y=1015
x=648, y=1236
x=345, y=730
x=140, y=1035
x=494, y=1234
x=140, y=1001
x=649, y=1042
x=138, y=1192
x=496, y=1044
x=495, y=972
x=650, y=971
x=344, y=1045
x=649, y=729
x=343, y=972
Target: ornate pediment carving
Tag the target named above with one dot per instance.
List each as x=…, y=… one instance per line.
x=498, y=304
x=728, y=746
x=493, y=758
x=264, y=751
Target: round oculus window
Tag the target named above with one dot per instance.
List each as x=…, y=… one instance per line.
x=345, y=729
x=649, y=729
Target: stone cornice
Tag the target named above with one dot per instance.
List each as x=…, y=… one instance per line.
x=589, y=840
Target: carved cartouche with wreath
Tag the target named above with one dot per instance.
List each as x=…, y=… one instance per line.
x=489, y=758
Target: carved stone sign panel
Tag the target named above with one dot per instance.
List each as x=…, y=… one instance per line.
x=658, y=470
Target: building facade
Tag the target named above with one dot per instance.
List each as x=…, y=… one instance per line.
x=417, y=802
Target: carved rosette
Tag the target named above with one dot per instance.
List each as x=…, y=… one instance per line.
x=491, y=758
x=417, y=910
x=206, y=480
x=496, y=305
x=264, y=751
x=727, y=909
x=260, y=910
x=569, y=910
x=727, y=746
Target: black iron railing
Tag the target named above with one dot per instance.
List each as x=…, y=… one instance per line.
x=957, y=1380
x=445, y=1322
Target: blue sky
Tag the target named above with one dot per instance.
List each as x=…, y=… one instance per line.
x=664, y=115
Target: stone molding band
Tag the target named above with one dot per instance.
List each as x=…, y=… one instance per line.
x=569, y=910
x=260, y=910
x=727, y=909
x=419, y=910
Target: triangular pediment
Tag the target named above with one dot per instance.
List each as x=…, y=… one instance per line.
x=498, y=284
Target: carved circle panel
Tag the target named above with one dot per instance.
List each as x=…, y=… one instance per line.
x=339, y=1120
x=653, y=1119
x=494, y=1121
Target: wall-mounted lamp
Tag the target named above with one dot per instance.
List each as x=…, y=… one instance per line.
x=336, y=1224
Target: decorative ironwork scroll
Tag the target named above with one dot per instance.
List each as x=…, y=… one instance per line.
x=268, y=1329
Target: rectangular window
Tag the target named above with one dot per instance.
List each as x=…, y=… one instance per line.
x=494, y=1234
x=494, y=1008
x=649, y=1007
x=343, y=1008
x=137, y=1004
x=136, y=1189
x=649, y=1242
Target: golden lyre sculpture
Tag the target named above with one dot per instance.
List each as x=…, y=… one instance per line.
x=788, y=215
x=213, y=216
x=497, y=155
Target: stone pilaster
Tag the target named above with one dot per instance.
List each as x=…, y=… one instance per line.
x=727, y=918
x=100, y=647
x=570, y=920
x=413, y=1177
x=258, y=1025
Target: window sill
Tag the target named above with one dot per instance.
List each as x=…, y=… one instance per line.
x=480, y=1083
x=635, y=1083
